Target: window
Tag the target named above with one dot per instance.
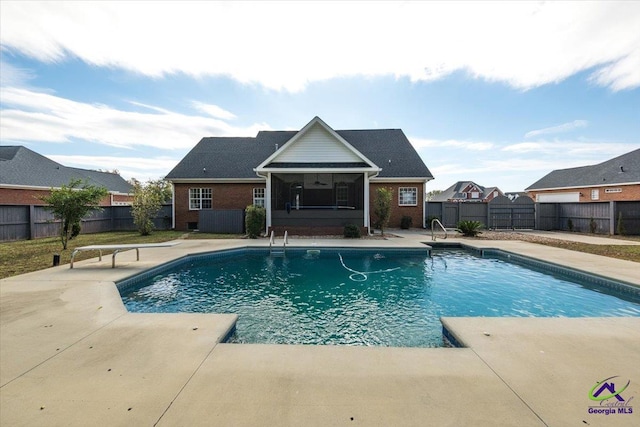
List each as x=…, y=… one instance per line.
x=407, y=196
x=258, y=197
x=613, y=190
x=595, y=194
x=475, y=195
x=342, y=194
x=199, y=198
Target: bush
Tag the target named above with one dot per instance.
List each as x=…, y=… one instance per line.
x=382, y=207
x=351, y=231
x=254, y=220
x=469, y=228
x=593, y=226
x=570, y=224
x=406, y=222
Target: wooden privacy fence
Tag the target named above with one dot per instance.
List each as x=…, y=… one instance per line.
x=523, y=213
x=23, y=222
x=499, y=213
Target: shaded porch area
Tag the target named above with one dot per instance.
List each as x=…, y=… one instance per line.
x=321, y=203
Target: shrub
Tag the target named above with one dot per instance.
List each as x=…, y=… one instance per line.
x=351, y=231
x=406, y=222
x=570, y=224
x=70, y=203
x=593, y=226
x=469, y=228
x=382, y=207
x=147, y=202
x=254, y=220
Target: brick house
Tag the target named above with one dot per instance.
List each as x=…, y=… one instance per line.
x=25, y=176
x=312, y=181
x=467, y=191
x=617, y=179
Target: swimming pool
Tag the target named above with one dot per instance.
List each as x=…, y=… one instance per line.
x=369, y=297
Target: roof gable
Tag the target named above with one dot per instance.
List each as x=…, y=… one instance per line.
x=226, y=158
x=22, y=167
x=624, y=169
x=313, y=144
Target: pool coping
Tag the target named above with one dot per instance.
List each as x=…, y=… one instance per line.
x=78, y=309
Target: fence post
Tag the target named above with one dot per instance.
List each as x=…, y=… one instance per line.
x=612, y=218
x=32, y=222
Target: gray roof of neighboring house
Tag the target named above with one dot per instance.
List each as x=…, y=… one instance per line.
x=619, y=170
x=21, y=166
x=225, y=157
x=455, y=191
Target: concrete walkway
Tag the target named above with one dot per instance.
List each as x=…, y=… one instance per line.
x=70, y=354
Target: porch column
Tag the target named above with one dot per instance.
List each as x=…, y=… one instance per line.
x=267, y=200
x=366, y=202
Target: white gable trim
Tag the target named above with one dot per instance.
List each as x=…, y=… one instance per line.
x=304, y=131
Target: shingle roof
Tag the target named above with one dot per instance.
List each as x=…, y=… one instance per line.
x=619, y=170
x=225, y=157
x=454, y=192
x=20, y=166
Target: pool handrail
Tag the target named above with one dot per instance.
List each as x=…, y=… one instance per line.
x=437, y=221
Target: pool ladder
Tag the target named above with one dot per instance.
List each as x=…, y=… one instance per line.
x=273, y=250
x=433, y=224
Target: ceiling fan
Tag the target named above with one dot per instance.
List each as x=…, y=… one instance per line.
x=318, y=182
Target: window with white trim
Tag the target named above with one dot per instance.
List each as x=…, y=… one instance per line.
x=258, y=197
x=613, y=190
x=199, y=198
x=342, y=194
x=408, y=196
x=595, y=194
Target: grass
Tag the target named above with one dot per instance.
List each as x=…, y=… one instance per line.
x=629, y=253
x=25, y=256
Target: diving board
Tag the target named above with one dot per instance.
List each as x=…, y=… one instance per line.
x=118, y=248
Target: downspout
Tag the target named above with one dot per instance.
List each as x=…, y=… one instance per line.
x=424, y=203
x=367, y=203
x=173, y=206
x=267, y=199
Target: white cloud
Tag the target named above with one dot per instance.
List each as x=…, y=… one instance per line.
x=38, y=116
x=565, y=127
x=467, y=145
x=285, y=45
x=213, y=110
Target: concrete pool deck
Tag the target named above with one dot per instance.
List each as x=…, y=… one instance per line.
x=70, y=354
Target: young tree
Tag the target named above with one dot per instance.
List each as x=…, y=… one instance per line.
x=70, y=203
x=147, y=201
x=431, y=194
x=382, y=207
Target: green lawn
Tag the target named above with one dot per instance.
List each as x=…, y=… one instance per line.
x=25, y=256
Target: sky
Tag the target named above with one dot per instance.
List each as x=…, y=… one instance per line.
x=499, y=93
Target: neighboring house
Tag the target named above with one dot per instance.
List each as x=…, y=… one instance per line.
x=617, y=179
x=25, y=176
x=467, y=191
x=312, y=181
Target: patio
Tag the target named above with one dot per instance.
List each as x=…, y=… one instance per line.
x=70, y=354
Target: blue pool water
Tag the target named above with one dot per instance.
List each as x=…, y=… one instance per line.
x=367, y=298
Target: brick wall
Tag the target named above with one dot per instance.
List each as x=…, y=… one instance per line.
x=239, y=196
x=629, y=193
x=397, y=212
x=224, y=196
x=13, y=196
